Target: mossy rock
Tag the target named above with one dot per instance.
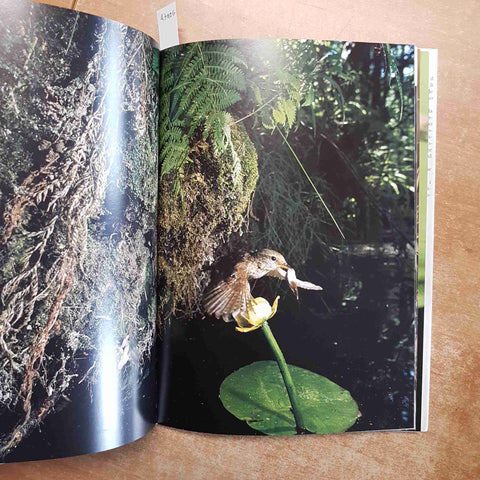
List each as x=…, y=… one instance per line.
x=213, y=202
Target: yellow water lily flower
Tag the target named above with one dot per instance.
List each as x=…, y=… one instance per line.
x=258, y=311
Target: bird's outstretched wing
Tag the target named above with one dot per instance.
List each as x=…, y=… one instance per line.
x=228, y=297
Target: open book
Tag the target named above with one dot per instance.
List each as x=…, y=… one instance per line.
x=220, y=237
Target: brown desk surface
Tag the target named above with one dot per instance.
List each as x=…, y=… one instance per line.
x=451, y=449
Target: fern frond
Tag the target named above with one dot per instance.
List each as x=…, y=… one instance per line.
x=199, y=83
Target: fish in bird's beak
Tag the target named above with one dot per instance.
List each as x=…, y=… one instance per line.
x=292, y=281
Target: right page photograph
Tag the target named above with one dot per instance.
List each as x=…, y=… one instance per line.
x=287, y=237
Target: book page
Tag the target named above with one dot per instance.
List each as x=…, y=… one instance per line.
x=78, y=197
x=287, y=237
x=426, y=114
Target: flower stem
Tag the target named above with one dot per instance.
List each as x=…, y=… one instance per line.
x=287, y=378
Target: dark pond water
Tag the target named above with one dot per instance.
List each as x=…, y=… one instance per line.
x=359, y=332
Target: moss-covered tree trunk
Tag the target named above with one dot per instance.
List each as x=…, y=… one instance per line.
x=213, y=203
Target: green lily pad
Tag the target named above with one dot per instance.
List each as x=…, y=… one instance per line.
x=256, y=393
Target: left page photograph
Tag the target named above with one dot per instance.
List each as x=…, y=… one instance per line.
x=78, y=198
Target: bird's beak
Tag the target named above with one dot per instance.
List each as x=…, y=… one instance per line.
x=284, y=267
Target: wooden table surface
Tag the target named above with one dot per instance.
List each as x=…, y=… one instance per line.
x=451, y=449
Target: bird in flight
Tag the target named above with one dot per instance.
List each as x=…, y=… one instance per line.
x=231, y=295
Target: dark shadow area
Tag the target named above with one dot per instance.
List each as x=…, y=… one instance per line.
x=364, y=344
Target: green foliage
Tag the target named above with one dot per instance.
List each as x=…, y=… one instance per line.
x=256, y=393
x=333, y=123
x=358, y=99
x=320, y=78
x=156, y=62
x=393, y=73
x=216, y=190
x=198, y=83
x=309, y=178
x=289, y=213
